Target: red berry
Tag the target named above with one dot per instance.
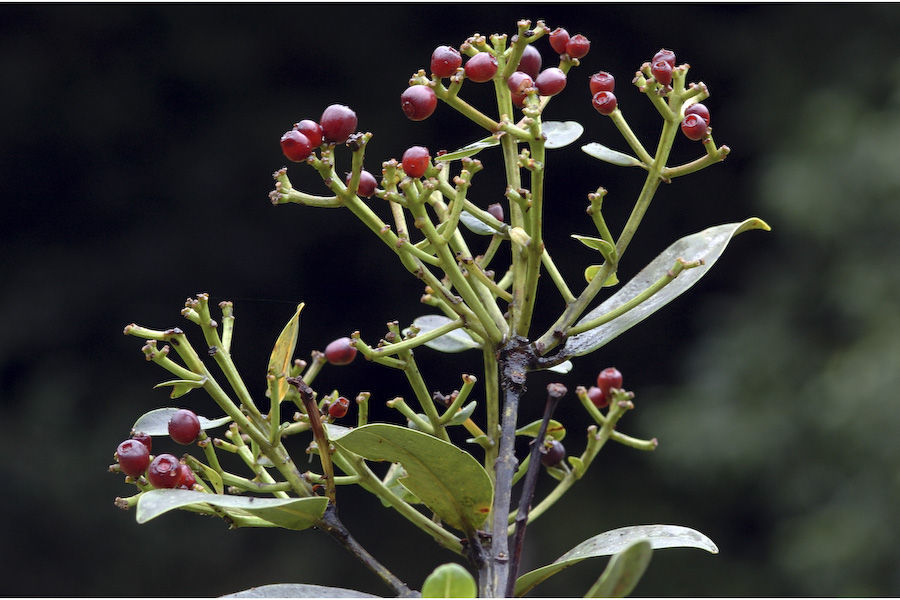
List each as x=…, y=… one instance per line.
x=312, y=131
x=186, y=479
x=530, y=63
x=415, y=161
x=164, y=472
x=143, y=438
x=558, y=40
x=339, y=408
x=340, y=352
x=604, y=102
x=496, y=211
x=481, y=67
x=608, y=379
x=602, y=82
x=662, y=72
x=666, y=55
x=698, y=109
x=418, y=102
x=519, y=81
x=578, y=46
x=184, y=426
x=550, y=82
x=597, y=396
x=133, y=457
x=338, y=122
x=367, y=184
x=445, y=60
x=519, y=99
x=295, y=146
x=694, y=127
x=552, y=453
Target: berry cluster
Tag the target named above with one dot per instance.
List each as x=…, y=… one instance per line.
x=609, y=379
x=335, y=126
x=575, y=47
x=165, y=470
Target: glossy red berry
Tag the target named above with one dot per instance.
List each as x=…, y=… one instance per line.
x=602, y=82
x=418, y=102
x=133, y=457
x=312, y=131
x=519, y=81
x=445, y=60
x=559, y=37
x=143, y=438
x=367, y=184
x=496, y=211
x=666, y=55
x=186, y=479
x=340, y=352
x=578, y=46
x=518, y=99
x=481, y=67
x=662, y=72
x=604, y=102
x=597, y=396
x=295, y=146
x=530, y=63
x=698, y=109
x=694, y=127
x=339, y=408
x=608, y=379
x=415, y=161
x=550, y=82
x=552, y=453
x=184, y=426
x=164, y=472
x=338, y=122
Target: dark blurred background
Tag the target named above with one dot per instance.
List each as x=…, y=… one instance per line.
x=137, y=147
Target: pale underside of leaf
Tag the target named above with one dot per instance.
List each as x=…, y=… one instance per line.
x=455, y=341
x=298, y=590
x=156, y=422
x=611, y=156
x=560, y=133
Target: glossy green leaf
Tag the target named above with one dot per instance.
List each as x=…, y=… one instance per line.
x=555, y=429
x=602, y=246
x=707, y=245
x=288, y=513
x=475, y=225
x=469, y=150
x=591, y=271
x=298, y=590
x=561, y=133
x=445, y=478
x=455, y=341
x=623, y=572
x=464, y=413
x=611, y=156
x=617, y=540
x=283, y=354
x=180, y=387
x=450, y=581
x=156, y=422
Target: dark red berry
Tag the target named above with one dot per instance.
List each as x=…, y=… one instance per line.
x=518, y=82
x=338, y=122
x=578, y=46
x=418, y=102
x=666, y=55
x=133, y=457
x=445, y=60
x=496, y=211
x=602, y=82
x=164, y=472
x=186, y=479
x=339, y=408
x=694, y=127
x=698, y=109
x=184, y=426
x=552, y=453
x=608, y=379
x=312, y=131
x=481, y=67
x=340, y=352
x=295, y=146
x=597, y=396
x=415, y=161
x=662, y=72
x=143, y=438
x=550, y=82
x=519, y=99
x=558, y=40
x=367, y=184
x=604, y=102
x=530, y=63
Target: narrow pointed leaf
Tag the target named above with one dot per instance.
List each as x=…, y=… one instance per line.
x=214, y=479
x=289, y=513
x=450, y=581
x=555, y=429
x=464, y=413
x=455, y=341
x=623, y=572
x=469, y=150
x=180, y=387
x=561, y=133
x=707, y=245
x=474, y=224
x=298, y=590
x=283, y=354
x=445, y=478
x=156, y=422
x=617, y=540
x=602, y=246
x=611, y=156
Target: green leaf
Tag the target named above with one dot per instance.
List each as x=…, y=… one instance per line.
x=214, y=478
x=623, y=572
x=469, y=150
x=445, y=478
x=475, y=225
x=707, y=245
x=336, y=432
x=464, y=413
x=602, y=246
x=180, y=387
x=611, y=156
x=156, y=422
x=611, y=542
x=450, y=581
x=455, y=341
x=561, y=133
x=591, y=271
x=555, y=429
x=288, y=513
x=298, y=590
x=283, y=354
x=392, y=482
